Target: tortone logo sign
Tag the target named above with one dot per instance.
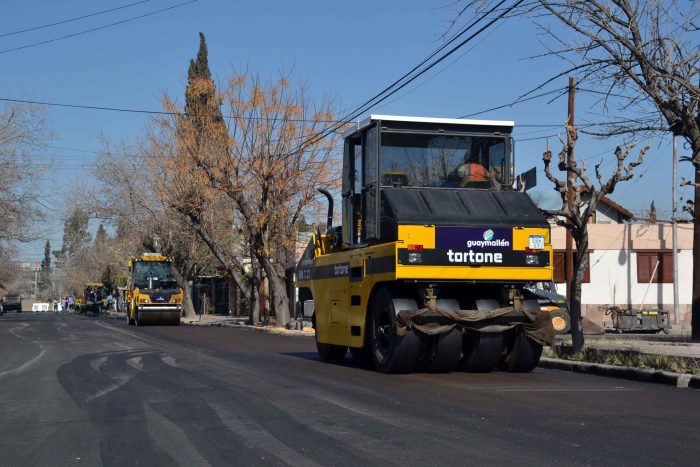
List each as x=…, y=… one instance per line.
x=470, y=245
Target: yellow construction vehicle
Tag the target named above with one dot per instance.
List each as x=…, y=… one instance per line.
x=152, y=295
x=429, y=268
x=93, y=299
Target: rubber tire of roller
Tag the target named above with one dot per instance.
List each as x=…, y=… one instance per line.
x=391, y=353
x=482, y=351
x=328, y=352
x=446, y=356
x=523, y=354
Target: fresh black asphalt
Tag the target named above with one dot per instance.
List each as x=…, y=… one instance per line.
x=78, y=390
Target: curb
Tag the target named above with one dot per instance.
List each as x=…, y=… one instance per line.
x=269, y=329
x=680, y=380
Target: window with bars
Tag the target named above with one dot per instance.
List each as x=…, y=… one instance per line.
x=560, y=267
x=647, y=262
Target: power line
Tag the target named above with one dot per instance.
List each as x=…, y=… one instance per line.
x=409, y=77
x=516, y=101
x=369, y=104
x=153, y=112
x=444, y=68
x=423, y=62
x=72, y=19
x=97, y=28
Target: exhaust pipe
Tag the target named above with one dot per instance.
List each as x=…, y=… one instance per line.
x=329, y=224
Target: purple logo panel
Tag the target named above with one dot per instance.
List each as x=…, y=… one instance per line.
x=479, y=238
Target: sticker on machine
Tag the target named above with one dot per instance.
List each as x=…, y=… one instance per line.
x=473, y=238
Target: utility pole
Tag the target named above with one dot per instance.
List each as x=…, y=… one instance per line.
x=570, y=180
x=674, y=230
x=36, y=277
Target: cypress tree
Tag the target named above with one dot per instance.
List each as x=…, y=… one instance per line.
x=201, y=102
x=44, y=284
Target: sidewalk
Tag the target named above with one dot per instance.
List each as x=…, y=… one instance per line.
x=671, y=359
x=674, y=344
x=240, y=322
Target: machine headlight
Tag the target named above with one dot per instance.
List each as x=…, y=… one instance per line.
x=532, y=260
x=143, y=299
x=415, y=257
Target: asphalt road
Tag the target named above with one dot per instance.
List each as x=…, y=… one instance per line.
x=78, y=390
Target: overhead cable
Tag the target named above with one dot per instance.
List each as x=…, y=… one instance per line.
x=26, y=46
x=73, y=19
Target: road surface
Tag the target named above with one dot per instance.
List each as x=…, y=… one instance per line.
x=78, y=390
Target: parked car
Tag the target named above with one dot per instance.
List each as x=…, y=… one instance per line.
x=12, y=302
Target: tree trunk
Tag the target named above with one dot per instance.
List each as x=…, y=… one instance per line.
x=254, y=296
x=577, y=339
x=184, y=284
x=278, y=291
x=695, y=313
x=228, y=261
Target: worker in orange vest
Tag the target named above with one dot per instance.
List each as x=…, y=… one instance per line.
x=468, y=172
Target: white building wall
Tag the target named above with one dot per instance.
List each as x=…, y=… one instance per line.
x=613, y=276
x=606, y=215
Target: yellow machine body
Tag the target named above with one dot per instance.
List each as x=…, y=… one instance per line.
x=430, y=265
x=342, y=281
x=151, y=294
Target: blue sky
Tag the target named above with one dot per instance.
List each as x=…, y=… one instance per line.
x=347, y=50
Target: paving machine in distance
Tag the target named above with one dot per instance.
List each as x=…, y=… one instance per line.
x=429, y=267
x=93, y=299
x=152, y=295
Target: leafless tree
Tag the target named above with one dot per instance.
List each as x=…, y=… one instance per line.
x=130, y=199
x=576, y=214
x=642, y=57
x=22, y=129
x=267, y=158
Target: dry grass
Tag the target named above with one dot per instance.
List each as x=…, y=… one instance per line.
x=627, y=358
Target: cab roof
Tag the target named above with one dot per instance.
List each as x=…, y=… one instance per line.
x=150, y=257
x=505, y=125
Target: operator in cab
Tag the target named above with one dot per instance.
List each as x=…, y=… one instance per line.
x=470, y=173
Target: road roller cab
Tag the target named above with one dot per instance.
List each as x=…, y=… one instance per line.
x=429, y=267
x=152, y=295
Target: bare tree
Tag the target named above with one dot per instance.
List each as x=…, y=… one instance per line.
x=576, y=215
x=206, y=215
x=130, y=199
x=268, y=159
x=642, y=58
x=22, y=129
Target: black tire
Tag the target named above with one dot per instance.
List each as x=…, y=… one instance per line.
x=482, y=351
x=328, y=352
x=561, y=321
x=442, y=352
x=392, y=353
x=129, y=320
x=523, y=353
x=362, y=355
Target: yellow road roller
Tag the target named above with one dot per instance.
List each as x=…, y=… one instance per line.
x=152, y=295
